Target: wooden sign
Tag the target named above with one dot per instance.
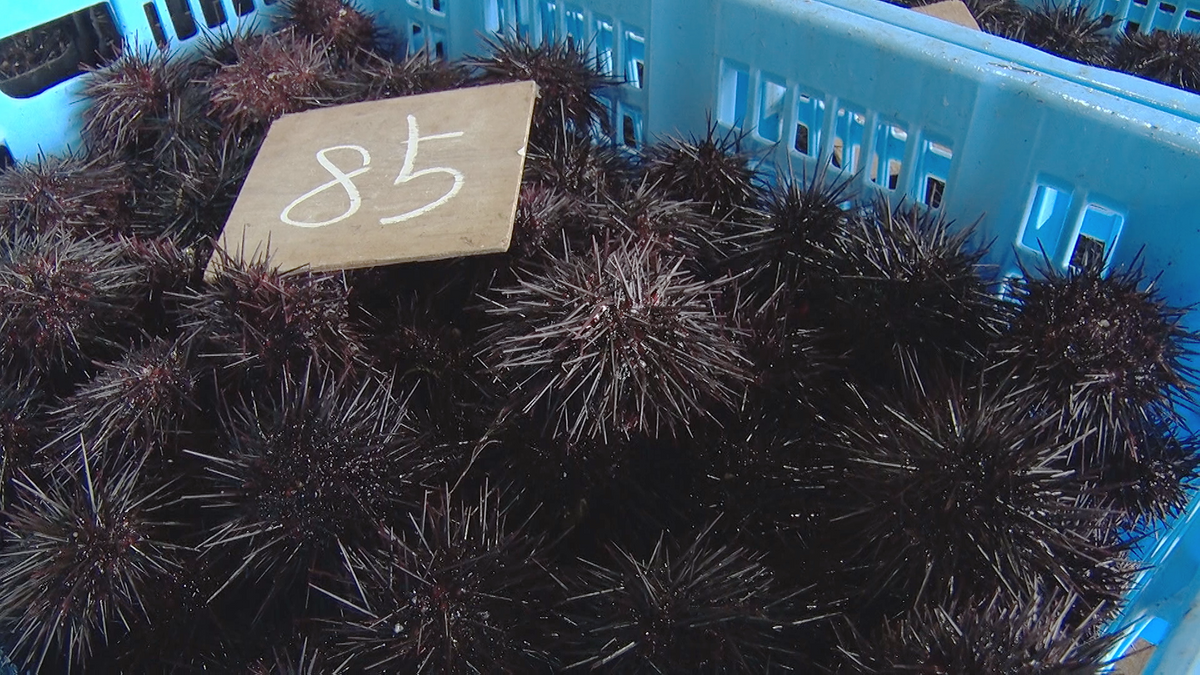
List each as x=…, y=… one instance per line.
x=415, y=178
x=954, y=11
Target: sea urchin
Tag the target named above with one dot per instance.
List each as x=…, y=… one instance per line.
x=618, y=341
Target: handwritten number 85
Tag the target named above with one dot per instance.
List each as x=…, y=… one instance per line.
x=346, y=180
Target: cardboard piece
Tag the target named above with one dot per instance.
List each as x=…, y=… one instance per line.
x=415, y=178
x=953, y=11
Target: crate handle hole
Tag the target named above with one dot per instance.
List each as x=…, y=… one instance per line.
x=801, y=144
x=935, y=190
x=156, y=25
x=770, y=108
x=733, y=94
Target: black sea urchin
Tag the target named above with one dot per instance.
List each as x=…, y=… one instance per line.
x=642, y=212
x=1170, y=57
x=63, y=302
x=138, y=402
x=1025, y=637
x=22, y=429
x=570, y=475
x=618, y=341
x=127, y=99
x=910, y=289
x=376, y=77
x=1068, y=30
x=1101, y=348
x=427, y=351
x=340, y=25
x=304, y=658
x=711, y=169
x=579, y=165
x=217, y=50
x=795, y=364
x=277, y=74
x=998, y=17
x=188, y=185
x=957, y=491
x=83, y=557
x=762, y=471
x=70, y=193
x=319, y=463
x=569, y=83
x=546, y=217
x=691, y=607
x=187, y=632
x=456, y=591
x=793, y=241
x=1152, y=479
x=167, y=270
x=434, y=363
x=253, y=316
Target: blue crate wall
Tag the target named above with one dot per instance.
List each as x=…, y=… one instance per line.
x=1008, y=129
x=1149, y=16
x=615, y=33
x=45, y=122
x=424, y=25
x=1143, y=15
x=1009, y=53
x=49, y=122
x=1164, y=608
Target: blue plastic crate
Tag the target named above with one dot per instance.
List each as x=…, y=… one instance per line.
x=1054, y=155
x=1145, y=16
x=44, y=118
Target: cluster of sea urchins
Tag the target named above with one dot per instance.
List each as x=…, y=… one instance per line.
x=689, y=423
x=1075, y=31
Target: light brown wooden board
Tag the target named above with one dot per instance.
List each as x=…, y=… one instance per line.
x=954, y=11
x=295, y=200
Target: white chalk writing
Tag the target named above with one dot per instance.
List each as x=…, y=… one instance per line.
x=346, y=180
x=408, y=173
